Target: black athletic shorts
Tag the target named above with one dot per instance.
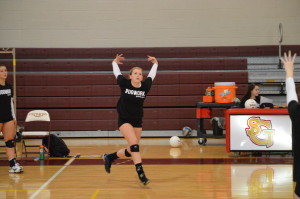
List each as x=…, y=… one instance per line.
x=5, y=119
x=297, y=189
x=137, y=123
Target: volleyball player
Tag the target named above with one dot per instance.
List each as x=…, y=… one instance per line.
x=8, y=120
x=294, y=112
x=130, y=110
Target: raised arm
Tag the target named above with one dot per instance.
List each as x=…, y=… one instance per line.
x=118, y=60
x=288, y=62
x=153, y=70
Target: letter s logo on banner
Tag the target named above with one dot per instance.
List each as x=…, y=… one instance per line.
x=260, y=131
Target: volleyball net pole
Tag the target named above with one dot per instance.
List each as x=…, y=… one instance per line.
x=14, y=63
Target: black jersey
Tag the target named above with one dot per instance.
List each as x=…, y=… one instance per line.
x=6, y=93
x=294, y=112
x=131, y=101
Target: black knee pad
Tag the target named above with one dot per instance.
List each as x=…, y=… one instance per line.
x=135, y=148
x=10, y=144
x=127, y=154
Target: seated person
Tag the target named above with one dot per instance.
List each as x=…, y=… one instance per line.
x=253, y=93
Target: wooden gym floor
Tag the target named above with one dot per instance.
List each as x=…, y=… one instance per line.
x=191, y=171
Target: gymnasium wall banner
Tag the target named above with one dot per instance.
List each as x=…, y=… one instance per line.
x=260, y=133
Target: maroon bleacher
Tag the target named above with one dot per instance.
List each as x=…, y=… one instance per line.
x=27, y=65
x=77, y=87
x=141, y=52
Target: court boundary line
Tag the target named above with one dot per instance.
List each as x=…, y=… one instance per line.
x=144, y=189
x=95, y=194
x=53, y=177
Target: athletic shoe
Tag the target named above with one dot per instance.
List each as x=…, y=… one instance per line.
x=16, y=169
x=144, y=179
x=107, y=163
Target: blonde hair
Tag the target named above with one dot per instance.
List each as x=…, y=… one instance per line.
x=132, y=69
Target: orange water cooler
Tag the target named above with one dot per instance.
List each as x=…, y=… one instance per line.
x=225, y=92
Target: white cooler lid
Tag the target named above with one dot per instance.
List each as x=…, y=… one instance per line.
x=224, y=83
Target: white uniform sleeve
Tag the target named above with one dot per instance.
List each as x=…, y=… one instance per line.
x=116, y=69
x=12, y=109
x=153, y=71
x=290, y=90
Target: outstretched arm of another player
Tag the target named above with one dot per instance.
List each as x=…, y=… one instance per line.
x=288, y=62
x=153, y=70
x=118, y=60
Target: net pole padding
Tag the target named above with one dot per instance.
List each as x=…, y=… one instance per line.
x=15, y=79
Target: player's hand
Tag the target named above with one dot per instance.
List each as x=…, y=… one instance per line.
x=288, y=62
x=119, y=58
x=152, y=59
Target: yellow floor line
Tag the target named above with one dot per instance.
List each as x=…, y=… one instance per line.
x=141, y=189
x=95, y=194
